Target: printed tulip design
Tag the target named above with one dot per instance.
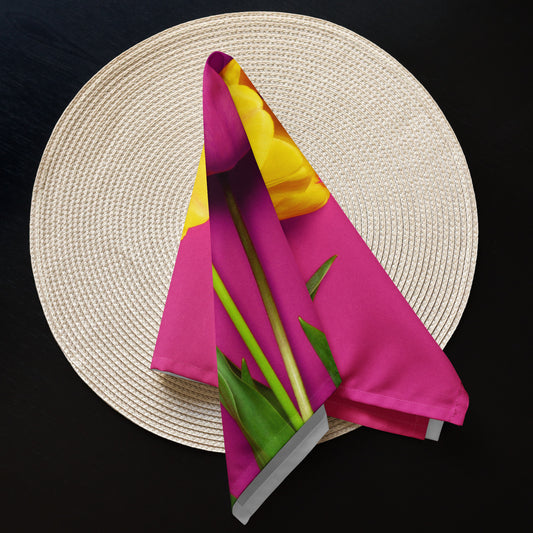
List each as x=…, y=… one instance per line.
x=266, y=416
x=259, y=224
x=294, y=187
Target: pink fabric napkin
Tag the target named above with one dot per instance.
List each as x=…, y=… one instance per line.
x=339, y=308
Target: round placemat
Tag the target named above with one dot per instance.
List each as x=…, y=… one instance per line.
x=114, y=182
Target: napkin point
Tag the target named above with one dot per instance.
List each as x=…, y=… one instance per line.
x=218, y=60
x=284, y=462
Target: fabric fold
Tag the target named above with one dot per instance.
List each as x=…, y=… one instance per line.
x=342, y=315
x=272, y=381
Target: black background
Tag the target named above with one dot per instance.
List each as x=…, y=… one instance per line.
x=71, y=463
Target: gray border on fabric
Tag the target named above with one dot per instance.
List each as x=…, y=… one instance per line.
x=281, y=465
x=434, y=428
x=168, y=373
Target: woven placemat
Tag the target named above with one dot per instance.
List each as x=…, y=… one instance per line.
x=114, y=182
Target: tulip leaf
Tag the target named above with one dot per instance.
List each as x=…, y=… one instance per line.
x=245, y=374
x=264, y=428
x=264, y=390
x=228, y=401
x=320, y=344
x=315, y=280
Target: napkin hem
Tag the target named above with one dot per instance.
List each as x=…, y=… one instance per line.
x=344, y=398
x=169, y=365
x=379, y=418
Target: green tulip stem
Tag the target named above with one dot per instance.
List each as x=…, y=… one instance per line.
x=255, y=350
x=270, y=306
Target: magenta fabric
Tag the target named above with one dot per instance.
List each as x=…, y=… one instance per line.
x=236, y=164
x=283, y=275
x=185, y=344
x=394, y=375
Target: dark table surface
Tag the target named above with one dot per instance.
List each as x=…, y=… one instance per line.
x=71, y=463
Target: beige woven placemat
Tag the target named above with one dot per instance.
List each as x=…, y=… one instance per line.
x=114, y=183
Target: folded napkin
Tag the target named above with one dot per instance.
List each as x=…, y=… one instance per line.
x=276, y=299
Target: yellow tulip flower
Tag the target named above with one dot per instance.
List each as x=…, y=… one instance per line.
x=294, y=187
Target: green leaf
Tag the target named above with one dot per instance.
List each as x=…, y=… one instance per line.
x=315, y=280
x=270, y=397
x=264, y=428
x=232, y=499
x=245, y=374
x=264, y=390
x=234, y=368
x=260, y=358
x=226, y=397
x=228, y=401
x=320, y=345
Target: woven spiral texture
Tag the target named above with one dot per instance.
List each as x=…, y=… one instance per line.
x=114, y=183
